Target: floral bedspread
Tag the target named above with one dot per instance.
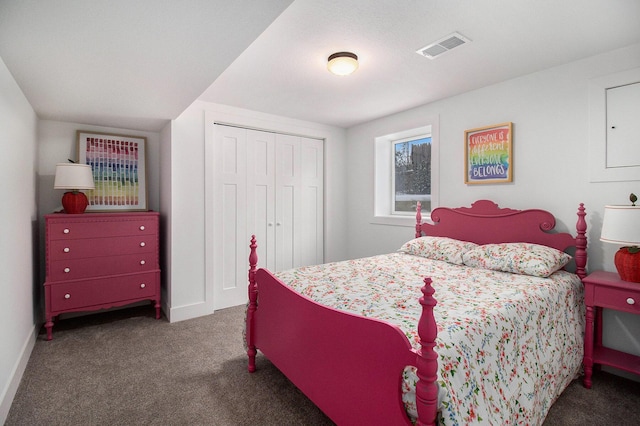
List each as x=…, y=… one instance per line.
x=508, y=344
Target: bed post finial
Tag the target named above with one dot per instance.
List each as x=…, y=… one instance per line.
x=427, y=359
x=253, y=304
x=581, y=243
x=418, y=220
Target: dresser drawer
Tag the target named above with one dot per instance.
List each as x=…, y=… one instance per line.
x=618, y=299
x=89, y=293
x=73, y=269
x=98, y=228
x=83, y=248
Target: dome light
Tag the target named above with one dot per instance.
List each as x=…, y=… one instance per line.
x=342, y=63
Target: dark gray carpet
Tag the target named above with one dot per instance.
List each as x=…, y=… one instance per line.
x=126, y=368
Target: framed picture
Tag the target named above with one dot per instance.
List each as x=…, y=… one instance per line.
x=119, y=170
x=488, y=154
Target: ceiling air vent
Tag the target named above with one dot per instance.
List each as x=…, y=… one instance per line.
x=443, y=45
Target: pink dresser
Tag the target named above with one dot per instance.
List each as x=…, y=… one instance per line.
x=100, y=260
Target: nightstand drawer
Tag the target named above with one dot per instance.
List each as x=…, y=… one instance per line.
x=88, y=293
x=83, y=248
x=618, y=299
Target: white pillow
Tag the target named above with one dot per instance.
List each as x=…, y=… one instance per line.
x=438, y=248
x=518, y=258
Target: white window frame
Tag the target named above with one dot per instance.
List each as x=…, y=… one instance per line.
x=383, y=173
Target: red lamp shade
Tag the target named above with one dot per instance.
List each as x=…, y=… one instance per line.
x=628, y=264
x=74, y=202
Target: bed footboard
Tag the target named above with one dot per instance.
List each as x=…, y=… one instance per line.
x=349, y=366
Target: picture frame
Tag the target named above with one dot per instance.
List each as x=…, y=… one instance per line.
x=119, y=167
x=488, y=153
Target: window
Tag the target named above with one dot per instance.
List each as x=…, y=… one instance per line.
x=406, y=171
x=411, y=174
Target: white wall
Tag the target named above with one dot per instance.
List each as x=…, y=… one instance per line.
x=191, y=291
x=549, y=111
x=57, y=142
x=18, y=243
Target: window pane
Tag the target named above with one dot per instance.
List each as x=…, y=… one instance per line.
x=412, y=174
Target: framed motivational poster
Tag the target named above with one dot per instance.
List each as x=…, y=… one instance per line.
x=119, y=169
x=488, y=154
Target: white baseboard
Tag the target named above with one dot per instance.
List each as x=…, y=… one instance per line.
x=9, y=392
x=181, y=313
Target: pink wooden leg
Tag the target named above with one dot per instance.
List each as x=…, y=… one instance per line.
x=49, y=325
x=588, y=348
x=253, y=304
x=157, y=306
x=427, y=360
x=597, y=338
x=419, y=220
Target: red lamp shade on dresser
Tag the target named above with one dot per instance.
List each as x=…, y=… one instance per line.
x=74, y=177
x=621, y=225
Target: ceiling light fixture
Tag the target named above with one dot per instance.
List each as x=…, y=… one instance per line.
x=342, y=63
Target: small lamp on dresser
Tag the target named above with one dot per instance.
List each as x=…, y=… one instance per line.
x=74, y=177
x=621, y=225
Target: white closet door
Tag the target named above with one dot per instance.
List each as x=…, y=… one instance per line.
x=231, y=243
x=261, y=195
x=269, y=185
x=311, y=244
x=288, y=201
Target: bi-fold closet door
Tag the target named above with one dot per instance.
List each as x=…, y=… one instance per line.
x=270, y=185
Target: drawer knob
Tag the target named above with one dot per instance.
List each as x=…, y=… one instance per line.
x=66, y=250
x=630, y=301
x=67, y=296
x=142, y=244
x=67, y=270
x=142, y=227
x=143, y=285
x=142, y=262
x=65, y=231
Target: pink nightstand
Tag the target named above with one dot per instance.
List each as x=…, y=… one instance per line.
x=607, y=290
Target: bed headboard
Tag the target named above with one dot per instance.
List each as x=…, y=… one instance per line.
x=484, y=223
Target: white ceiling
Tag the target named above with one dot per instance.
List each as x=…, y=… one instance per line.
x=138, y=64
x=133, y=64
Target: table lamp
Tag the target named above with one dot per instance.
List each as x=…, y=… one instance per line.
x=75, y=177
x=621, y=225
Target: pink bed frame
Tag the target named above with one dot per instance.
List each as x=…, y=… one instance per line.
x=338, y=359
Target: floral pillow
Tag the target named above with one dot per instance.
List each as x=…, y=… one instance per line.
x=438, y=248
x=518, y=258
